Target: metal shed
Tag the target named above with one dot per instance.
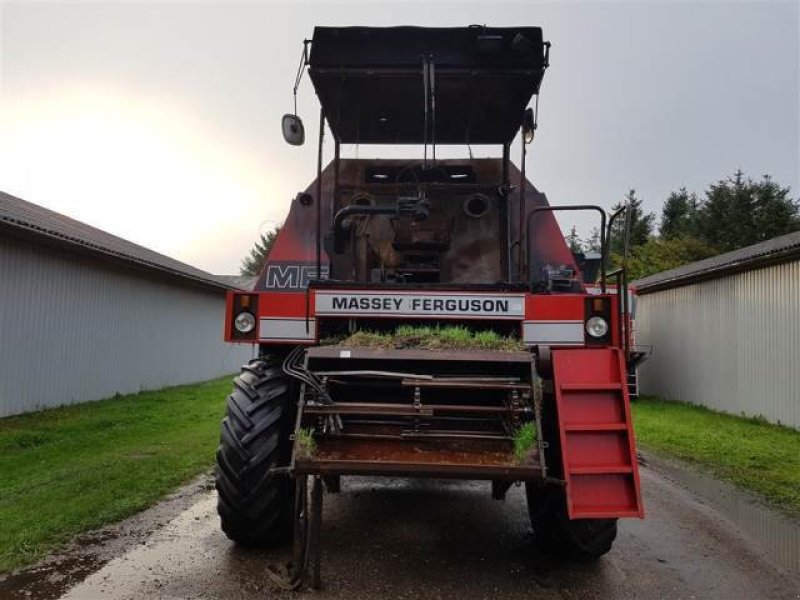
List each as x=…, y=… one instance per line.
x=85, y=315
x=725, y=331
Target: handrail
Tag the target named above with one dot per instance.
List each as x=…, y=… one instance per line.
x=620, y=274
x=611, y=220
x=622, y=308
x=622, y=278
x=603, y=245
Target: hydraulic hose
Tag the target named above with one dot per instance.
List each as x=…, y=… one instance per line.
x=339, y=229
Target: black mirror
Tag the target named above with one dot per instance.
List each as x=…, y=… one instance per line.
x=293, y=131
x=528, y=126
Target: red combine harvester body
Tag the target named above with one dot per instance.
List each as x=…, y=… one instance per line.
x=374, y=244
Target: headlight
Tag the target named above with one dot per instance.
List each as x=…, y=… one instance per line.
x=244, y=322
x=597, y=327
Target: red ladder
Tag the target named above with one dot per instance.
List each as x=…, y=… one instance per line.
x=598, y=449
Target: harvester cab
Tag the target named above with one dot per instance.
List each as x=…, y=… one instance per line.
x=425, y=317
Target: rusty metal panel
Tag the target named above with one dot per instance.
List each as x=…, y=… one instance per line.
x=731, y=344
x=410, y=354
x=74, y=329
x=471, y=258
x=468, y=459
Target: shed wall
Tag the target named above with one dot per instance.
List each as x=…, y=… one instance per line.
x=731, y=344
x=74, y=329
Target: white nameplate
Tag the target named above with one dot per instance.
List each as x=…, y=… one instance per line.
x=408, y=304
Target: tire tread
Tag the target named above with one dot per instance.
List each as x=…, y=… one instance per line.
x=254, y=504
x=555, y=533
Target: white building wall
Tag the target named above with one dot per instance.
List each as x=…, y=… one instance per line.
x=75, y=329
x=731, y=344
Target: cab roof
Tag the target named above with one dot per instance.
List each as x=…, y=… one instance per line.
x=370, y=82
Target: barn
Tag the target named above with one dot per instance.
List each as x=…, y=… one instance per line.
x=725, y=332
x=85, y=315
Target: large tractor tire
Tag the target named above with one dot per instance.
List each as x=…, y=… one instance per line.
x=254, y=504
x=555, y=533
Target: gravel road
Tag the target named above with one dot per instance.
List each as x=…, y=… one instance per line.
x=427, y=539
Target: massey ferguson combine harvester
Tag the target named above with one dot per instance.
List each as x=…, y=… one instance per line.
x=373, y=244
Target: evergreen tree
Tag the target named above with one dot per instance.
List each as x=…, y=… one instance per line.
x=735, y=212
x=726, y=217
x=573, y=241
x=776, y=213
x=254, y=262
x=679, y=215
x=738, y=212
x=592, y=243
x=641, y=224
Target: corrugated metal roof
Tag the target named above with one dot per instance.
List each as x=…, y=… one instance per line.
x=239, y=282
x=35, y=221
x=777, y=249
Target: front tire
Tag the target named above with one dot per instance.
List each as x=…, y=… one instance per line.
x=555, y=533
x=254, y=504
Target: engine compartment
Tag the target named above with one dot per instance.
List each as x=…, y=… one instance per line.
x=406, y=224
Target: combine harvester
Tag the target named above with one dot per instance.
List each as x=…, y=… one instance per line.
x=374, y=244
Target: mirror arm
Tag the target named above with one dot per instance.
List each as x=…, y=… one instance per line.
x=300, y=70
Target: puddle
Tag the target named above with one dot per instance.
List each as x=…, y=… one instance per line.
x=49, y=580
x=776, y=533
x=88, y=552
x=56, y=573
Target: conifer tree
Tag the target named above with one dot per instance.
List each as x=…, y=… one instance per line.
x=254, y=262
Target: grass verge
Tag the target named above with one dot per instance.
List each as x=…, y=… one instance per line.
x=750, y=453
x=432, y=338
x=71, y=469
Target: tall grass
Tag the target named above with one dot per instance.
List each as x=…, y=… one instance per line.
x=433, y=338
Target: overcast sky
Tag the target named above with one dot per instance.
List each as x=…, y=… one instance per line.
x=159, y=121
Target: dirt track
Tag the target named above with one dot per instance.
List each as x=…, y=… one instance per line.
x=431, y=539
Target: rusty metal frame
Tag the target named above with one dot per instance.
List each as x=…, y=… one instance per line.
x=486, y=423
x=310, y=471
x=436, y=471
x=408, y=354
x=407, y=410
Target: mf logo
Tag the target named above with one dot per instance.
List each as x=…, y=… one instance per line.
x=292, y=276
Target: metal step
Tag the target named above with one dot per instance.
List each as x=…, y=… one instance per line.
x=633, y=384
x=597, y=445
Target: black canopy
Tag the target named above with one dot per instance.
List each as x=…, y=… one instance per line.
x=371, y=85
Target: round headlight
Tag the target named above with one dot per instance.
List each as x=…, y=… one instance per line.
x=244, y=322
x=597, y=327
